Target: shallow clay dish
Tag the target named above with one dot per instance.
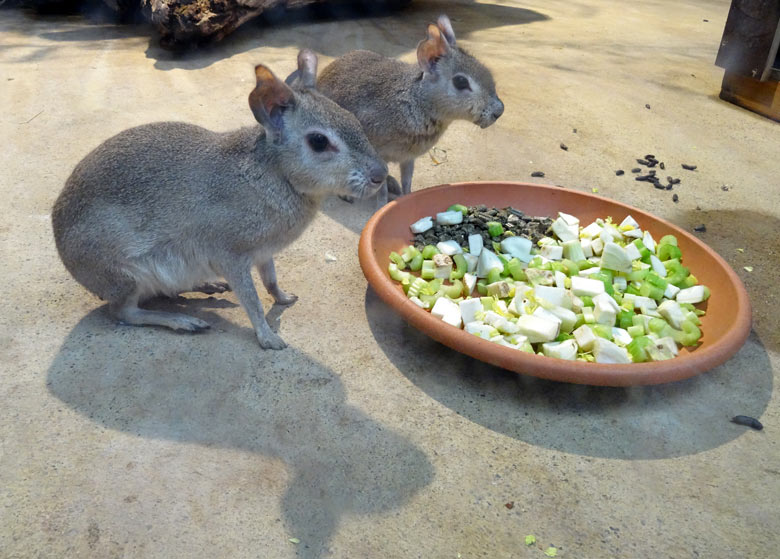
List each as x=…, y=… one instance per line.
x=725, y=326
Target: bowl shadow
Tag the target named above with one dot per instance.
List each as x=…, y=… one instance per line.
x=219, y=390
x=640, y=422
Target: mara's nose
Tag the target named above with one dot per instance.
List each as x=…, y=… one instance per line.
x=499, y=110
x=378, y=174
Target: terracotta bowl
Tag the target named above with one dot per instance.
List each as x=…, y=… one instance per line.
x=725, y=327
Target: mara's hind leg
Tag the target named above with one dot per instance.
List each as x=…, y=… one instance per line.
x=124, y=306
x=212, y=288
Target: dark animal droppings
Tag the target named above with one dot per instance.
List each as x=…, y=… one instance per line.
x=688, y=167
x=675, y=198
x=537, y=174
x=619, y=172
x=647, y=105
x=636, y=170
x=747, y=421
x=701, y=228
x=643, y=162
x=564, y=147
x=662, y=166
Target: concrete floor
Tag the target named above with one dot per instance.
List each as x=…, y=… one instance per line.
x=364, y=438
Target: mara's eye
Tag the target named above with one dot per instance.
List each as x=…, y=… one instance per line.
x=461, y=82
x=318, y=142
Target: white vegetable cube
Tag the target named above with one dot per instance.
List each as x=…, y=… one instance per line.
x=587, y=315
x=668, y=343
x=498, y=289
x=585, y=337
x=469, y=309
x=597, y=245
x=422, y=225
x=658, y=266
x=587, y=251
x=605, y=309
x=494, y=319
x=560, y=279
x=475, y=244
x=586, y=286
x=628, y=221
x=566, y=349
x=417, y=301
x=568, y=318
x=633, y=233
x=449, y=218
x=443, y=265
x=614, y=257
x=621, y=336
x=569, y=219
x=553, y=252
x=673, y=313
x=480, y=329
x=641, y=302
x=487, y=261
x=449, y=247
x=693, y=295
x=500, y=306
x=517, y=247
x=607, y=352
x=447, y=310
x=632, y=252
x=648, y=241
x=620, y=283
x=671, y=291
x=564, y=231
x=591, y=231
x=610, y=234
x=471, y=262
x=470, y=282
x=573, y=250
x=537, y=328
x=553, y=295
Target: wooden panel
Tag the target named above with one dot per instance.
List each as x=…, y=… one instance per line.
x=748, y=45
x=754, y=95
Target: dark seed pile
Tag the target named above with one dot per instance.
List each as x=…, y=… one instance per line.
x=515, y=223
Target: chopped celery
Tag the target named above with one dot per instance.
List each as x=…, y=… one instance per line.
x=396, y=274
x=482, y=287
x=635, y=331
x=515, y=268
x=428, y=269
x=494, y=275
x=494, y=228
x=458, y=208
x=461, y=267
x=668, y=252
x=416, y=262
x=416, y=287
x=428, y=251
x=409, y=252
x=398, y=260
x=668, y=240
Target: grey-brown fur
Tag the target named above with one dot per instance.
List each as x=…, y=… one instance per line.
x=405, y=108
x=165, y=207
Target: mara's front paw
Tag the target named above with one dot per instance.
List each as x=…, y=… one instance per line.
x=283, y=298
x=393, y=188
x=271, y=341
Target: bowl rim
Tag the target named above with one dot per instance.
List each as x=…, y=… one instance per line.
x=704, y=358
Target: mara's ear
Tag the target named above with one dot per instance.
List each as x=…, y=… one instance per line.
x=307, y=68
x=446, y=28
x=432, y=49
x=268, y=101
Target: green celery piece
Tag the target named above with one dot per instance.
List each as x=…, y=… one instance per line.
x=495, y=229
x=656, y=281
x=494, y=275
x=416, y=262
x=399, y=261
x=482, y=287
x=667, y=240
x=570, y=267
x=416, y=287
x=435, y=284
x=602, y=330
x=430, y=299
x=461, y=267
x=657, y=326
x=487, y=303
x=643, y=250
x=453, y=291
x=667, y=252
x=688, y=336
x=584, y=265
x=516, y=270
x=429, y=251
x=635, y=331
x=536, y=262
x=587, y=300
x=408, y=253
x=625, y=319
x=563, y=336
x=690, y=281
x=579, y=322
x=632, y=290
x=638, y=275
x=428, y=269
x=458, y=208
x=636, y=349
x=649, y=290
x=606, y=279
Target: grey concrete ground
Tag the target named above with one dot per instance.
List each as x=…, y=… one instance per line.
x=364, y=438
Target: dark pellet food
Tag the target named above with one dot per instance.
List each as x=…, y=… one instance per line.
x=641, y=178
x=636, y=170
x=669, y=186
x=651, y=173
x=747, y=421
x=644, y=162
x=620, y=172
x=675, y=198
x=675, y=181
x=688, y=167
x=574, y=130
x=659, y=186
x=649, y=156
x=701, y=228
x=662, y=166
x=724, y=188
x=564, y=147
x=537, y=174
x=647, y=105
